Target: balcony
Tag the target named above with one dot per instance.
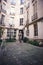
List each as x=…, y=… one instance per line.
x=4, y=11
x=34, y=17
x=13, y=14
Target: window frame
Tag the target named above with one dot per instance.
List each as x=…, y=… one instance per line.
x=21, y=10
x=21, y=21
x=35, y=29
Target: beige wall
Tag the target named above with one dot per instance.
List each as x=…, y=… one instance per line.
x=17, y=17
x=40, y=8
x=40, y=23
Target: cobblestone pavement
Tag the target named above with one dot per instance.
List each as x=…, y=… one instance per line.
x=21, y=54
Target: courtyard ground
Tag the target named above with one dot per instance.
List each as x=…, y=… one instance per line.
x=21, y=54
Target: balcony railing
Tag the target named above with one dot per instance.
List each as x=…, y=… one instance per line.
x=13, y=14
x=4, y=11
x=34, y=17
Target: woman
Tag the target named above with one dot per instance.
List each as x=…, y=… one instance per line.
x=20, y=36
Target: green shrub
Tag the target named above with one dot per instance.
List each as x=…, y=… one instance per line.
x=10, y=40
x=33, y=42
x=25, y=39
x=36, y=43
x=30, y=41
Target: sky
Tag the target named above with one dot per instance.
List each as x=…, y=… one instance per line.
x=15, y=0
x=12, y=0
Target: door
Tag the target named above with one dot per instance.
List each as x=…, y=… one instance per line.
x=22, y=33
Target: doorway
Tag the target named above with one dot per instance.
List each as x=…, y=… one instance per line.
x=22, y=33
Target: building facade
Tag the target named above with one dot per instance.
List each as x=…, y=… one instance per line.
x=22, y=15
x=12, y=16
x=35, y=23
x=3, y=15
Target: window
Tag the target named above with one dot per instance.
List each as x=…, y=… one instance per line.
x=10, y=33
x=0, y=7
x=12, y=11
x=2, y=19
x=35, y=16
x=21, y=21
x=4, y=8
x=14, y=34
x=33, y=1
x=0, y=0
x=5, y=0
x=21, y=10
x=22, y=1
x=27, y=21
x=11, y=20
x=27, y=32
x=35, y=7
x=28, y=5
x=35, y=29
x=13, y=2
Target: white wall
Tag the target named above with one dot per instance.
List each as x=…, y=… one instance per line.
x=31, y=31
x=40, y=30
x=17, y=36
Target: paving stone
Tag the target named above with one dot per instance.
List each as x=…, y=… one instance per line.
x=21, y=54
